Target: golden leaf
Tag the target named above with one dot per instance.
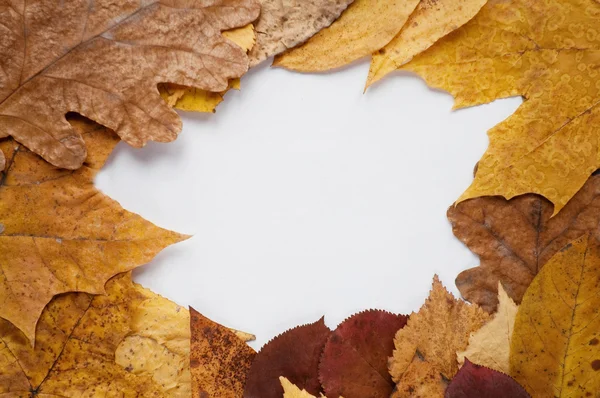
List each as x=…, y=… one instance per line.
x=425, y=354
x=431, y=20
x=490, y=345
x=219, y=359
x=60, y=234
x=290, y=390
x=365, y=27
x=285, y=24
x=105, y=61
x=78, y=337
x=548, y=51
x=555, y=349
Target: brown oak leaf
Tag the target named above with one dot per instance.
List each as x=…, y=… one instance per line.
x=355, y=359
x=219, y=359
x=59, y=233
x=285, y=24
x=295, y=355
x=129, y=342
x=103, y=60
x=425, y=355
x=515, y=238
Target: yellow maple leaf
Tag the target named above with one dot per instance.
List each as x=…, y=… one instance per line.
x=290, y=390
x=365, y=27
x=547, y=51
x=59, y=233
x=490, y=345
x=197, y=100
x=425, y=354
x=555, y=350
x=127, y=343
x=431, y=20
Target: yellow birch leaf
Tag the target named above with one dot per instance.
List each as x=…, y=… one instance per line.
x=555, y=350
x=60, y=234
x=431, y=20
x=196, y=100
x=365, y=27
x=80, y=346
x=490, y=345
x=290, y=390
x=425, y=355
x=547, y=51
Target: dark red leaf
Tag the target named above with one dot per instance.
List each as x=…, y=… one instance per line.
x=354, y=362
x=295, y=355
x=475, y=381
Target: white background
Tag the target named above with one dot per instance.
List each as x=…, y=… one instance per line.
x=307, y=198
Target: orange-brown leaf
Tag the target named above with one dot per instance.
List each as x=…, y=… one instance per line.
x=104, y=61
x=60, y=234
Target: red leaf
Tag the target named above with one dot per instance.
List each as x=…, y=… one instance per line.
x=355, y=360
x=475, y=381
x=295, y=355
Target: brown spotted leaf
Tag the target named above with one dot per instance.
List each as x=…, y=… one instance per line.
x=555, y=348
x=286, y=24
x=104, y=59
x=355, y=359
x=60, y=234
x=294, y=355
x=129, y=342
x=425, y=355
x=515, y=238
x=219, y=359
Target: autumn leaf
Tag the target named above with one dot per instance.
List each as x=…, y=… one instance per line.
x=425, y=354
x=219, y=359
x=476, y=381
x=555, y=350
x=429, y=22
x=196, y=100
x=129, y=342
x=547, y=51
x=515, y=238
x=354, y=361
x=365, y=27
x=60, y=234
x=490, y=345
x=283, y=25
x=294, y=355
x=291, y=391
x=104, y=62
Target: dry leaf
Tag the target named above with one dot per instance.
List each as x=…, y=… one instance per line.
x=555, y=348
x=294, y=354
x=365, y=27
x=425, y=354
x=104, y=62
x=60, y=234
x=80, y=338
x=285, y=24
x=476, y=381
x=196, y=100
x=354, y=360
x=431, y=20
x=219, y=359
x=548, y=51
x=490, y=345
x=515, y=238
x=292, y=391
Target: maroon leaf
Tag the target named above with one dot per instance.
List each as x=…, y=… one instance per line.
x=355, y=359
x=295, y=355
x=475, y=381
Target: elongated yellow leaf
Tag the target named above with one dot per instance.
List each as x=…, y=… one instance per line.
x=365, y=27
x=555, y=349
